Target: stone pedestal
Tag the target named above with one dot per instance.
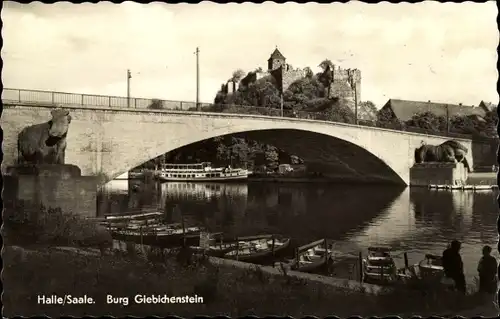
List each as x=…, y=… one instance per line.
x=426, y=174
x=52, y=186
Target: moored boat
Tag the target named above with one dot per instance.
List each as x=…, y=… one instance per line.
x=215, y=246
x=379, y=265
x=254, y=248
x=167, y=236
x=431, y=266
x=312, y=257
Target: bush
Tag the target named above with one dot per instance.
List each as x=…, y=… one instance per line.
x=52, y=226
x=156, y=104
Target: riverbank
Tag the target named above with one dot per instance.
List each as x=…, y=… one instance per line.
x=225, y=289
x=349, y=180
x=486, y=178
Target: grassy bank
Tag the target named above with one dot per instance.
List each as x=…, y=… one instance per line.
x=226, y=290
x=28, y=224
x=38, y=268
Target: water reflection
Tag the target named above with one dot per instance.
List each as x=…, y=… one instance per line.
x=415, y=220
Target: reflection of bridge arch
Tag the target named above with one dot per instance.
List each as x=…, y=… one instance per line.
x=112, y=141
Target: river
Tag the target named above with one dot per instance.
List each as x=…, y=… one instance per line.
x=415, y=220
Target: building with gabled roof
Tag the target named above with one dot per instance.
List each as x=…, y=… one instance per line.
x=487, y=106
x=404, y=110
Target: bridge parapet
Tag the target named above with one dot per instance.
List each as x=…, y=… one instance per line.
x=89, y=101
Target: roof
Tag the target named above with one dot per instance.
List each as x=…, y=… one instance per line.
x=277, y=55
x=487, y=105
x=405, y=110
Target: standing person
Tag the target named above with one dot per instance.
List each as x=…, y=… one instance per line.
x=453, y=265
x=487, y=269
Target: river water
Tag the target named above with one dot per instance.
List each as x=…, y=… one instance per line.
x=417, y=221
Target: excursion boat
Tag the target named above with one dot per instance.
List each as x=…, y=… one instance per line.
x=202, y=172
x=165, y=236
x=312, y=257
x=379, y=265
x=256, y=248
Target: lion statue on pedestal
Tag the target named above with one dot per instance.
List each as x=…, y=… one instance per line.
x=44, y=143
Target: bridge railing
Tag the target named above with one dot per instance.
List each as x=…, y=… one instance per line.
x=90, y=100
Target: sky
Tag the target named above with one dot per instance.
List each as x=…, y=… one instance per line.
x=443, y=52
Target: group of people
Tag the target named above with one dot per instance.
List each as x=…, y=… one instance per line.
x=454, y=268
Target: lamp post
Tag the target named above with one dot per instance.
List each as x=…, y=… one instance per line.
x=281, y=102
x=129, y=76
x=197, y=52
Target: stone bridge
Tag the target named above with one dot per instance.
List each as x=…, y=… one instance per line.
x=108, y=141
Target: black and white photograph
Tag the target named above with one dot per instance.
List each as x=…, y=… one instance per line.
x=250, y=159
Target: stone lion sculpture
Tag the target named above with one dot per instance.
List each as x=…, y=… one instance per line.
x=450, y=151
x=45, y=143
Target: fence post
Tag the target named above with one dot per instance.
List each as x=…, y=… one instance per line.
x=181, y=106
x=109, y=101
x=19, y=94
x=82, y=99
x=52, y=97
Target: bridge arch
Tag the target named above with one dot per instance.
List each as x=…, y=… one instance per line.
x=334, y=157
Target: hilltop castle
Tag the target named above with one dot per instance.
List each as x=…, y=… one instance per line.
x=346, y=82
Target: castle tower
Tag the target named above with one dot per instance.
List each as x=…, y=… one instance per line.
x=354, y=78
x=276, y=60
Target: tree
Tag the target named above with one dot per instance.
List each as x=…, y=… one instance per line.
x=369, y=106
x=327, y=76
x=464, y=125
x=272, y=155
x=301, y=93
x=326, y=64
x=308, y=72
x=339, y=111
x=491, y=119
x=428, y=121
x=156, y=104
x=261, y=93
x=238, y=75
x=386, y=119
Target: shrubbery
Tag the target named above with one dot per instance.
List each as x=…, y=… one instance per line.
x=42, y=225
